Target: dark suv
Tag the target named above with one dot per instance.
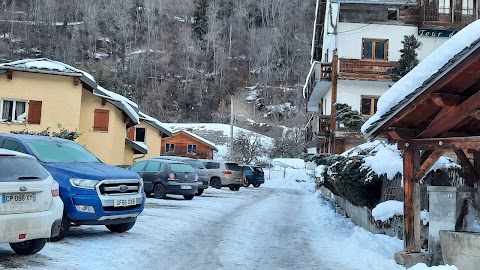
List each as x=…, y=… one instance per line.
x=253, y=175
x=202, y=172
x=163, y=176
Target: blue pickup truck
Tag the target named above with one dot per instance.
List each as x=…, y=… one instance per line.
x=93, y=192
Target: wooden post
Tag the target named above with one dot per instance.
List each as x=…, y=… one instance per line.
x=411, y=163
x=333, y=113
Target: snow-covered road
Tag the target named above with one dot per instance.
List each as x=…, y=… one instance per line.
x=281, y=225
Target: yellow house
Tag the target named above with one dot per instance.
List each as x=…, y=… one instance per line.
x=148, y=134
x=37, y=94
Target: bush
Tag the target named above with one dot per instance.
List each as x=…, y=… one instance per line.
x=63, y=133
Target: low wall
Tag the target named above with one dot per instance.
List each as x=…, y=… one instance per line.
x=461, y=249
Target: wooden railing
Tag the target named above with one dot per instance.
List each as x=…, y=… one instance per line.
x=444, y=15
x=183, y=152
x=318, y=71
x=365, y=66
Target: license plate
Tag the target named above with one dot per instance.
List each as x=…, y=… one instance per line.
x=124, y=202
x=186, y=187
x=18, y=198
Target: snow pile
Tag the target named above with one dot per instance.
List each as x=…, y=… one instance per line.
x=296, y=163
x=422, y=266
x=387, y=210
x=429, y=66
x=292, y=174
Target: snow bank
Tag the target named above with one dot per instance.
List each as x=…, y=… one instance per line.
x=292, y=174
x=296, y=163
x=429, y=66
x=422, y=266
x=387, y=210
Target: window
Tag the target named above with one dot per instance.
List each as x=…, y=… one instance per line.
x=140, y=134
x=138, y=167
x=169, y=148
x=369, y=105
x=375, y=49
x=100, y=120
x=13, y=145
x=14, y=111
x=192, y=149
x=392, y=14
x=153, y=166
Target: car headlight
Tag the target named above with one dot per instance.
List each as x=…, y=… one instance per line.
x=84, y=183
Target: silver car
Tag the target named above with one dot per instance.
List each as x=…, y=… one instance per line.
x=224, y=174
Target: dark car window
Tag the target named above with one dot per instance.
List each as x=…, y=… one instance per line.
x=138, y=167
x=212, y=165
x=257, y=169
x=246, y=168
x=13, y=145
x=233, y=167
x=179, y=167
x=194, y=163
x=153, y=166
x=21, y=169
x=61, y=151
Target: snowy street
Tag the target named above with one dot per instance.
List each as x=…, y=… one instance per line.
x=282, y=225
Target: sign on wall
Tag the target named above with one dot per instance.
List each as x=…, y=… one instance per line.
x=436, y=33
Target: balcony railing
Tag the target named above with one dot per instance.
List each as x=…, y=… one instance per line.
x=365, y=68
x=450, y=15
x=183, y=152
x=318, y=71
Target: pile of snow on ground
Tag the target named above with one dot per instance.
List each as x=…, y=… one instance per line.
x=289, y=173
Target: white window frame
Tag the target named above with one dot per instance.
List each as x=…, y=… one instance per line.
x=15, y=100
x=169, y=148
x=192, y=148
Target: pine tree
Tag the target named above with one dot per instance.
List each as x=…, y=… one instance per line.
x=348, y=117
x=200, y=20
x=408, y=58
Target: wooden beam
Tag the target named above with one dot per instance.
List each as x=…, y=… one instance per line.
x=401, y=134
x=76, y=81
x=104, y=101
x=476, y=166
x=9, y=74
x=454, y=116
x=429, y=161
x=446, y=100
x=465, y=162
x=411, y=161
x=476, y=114
x=444, y=143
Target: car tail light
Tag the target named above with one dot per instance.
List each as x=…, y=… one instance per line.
x=55, y=189
x=171, y=176
x=22, y=236
x=227, y=172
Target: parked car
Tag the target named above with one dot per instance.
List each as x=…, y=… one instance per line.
x=163, y=176
x=93, y=192
x=224, y=174
x=202, y=172
x=30, y=210
x=253, y=175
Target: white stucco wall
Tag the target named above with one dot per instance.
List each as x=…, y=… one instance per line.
x=429, y=44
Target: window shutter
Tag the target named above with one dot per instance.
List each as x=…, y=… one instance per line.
x=34, y=112
x=131, y=133
x=100, y=120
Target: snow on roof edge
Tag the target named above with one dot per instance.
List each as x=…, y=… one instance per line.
x=158, y=125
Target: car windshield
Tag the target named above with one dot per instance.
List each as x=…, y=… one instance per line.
x=184, y=168
x=61, y=151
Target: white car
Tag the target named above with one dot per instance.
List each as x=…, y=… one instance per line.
x=30, y=207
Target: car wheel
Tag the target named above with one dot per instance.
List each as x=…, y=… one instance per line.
x=216, y=183
x=188, y=197
x=199, y=192
x=120, y=228
x=236, y=188
x=159, y=191
x=246, y=183
x=256, y=185
x=64, y=229
x=231, y=187
x=29, y=247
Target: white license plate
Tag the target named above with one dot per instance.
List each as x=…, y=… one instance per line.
x=124, y=202
x=186, y=187
x=19, y=198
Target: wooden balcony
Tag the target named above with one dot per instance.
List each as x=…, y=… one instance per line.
x=318, y=71
x=365, y=69
x=448, y=18
x=183, y=152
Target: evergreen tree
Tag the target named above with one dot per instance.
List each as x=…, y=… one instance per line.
x=408, y=58
x=200, y=20
x=348, y=117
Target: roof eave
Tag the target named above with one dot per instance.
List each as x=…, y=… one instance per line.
x=135, y=146
x=72, y=74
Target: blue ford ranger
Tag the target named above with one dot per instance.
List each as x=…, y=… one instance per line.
x=93, y=192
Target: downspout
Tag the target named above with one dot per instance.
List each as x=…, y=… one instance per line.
x=142, y=156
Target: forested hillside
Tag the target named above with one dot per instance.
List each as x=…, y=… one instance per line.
x=178, y=59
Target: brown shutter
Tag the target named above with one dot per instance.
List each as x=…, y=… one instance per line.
x=100, y=120
x=34, y=112
x=131, y=133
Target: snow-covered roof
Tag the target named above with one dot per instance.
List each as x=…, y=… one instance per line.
x=123, y=103
x=156, y=124
x=425, y=74
x=48, y=66
x=212, y=145
x=139, y=146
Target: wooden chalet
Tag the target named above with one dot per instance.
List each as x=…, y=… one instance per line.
x=441, y=114
x=186, y=144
